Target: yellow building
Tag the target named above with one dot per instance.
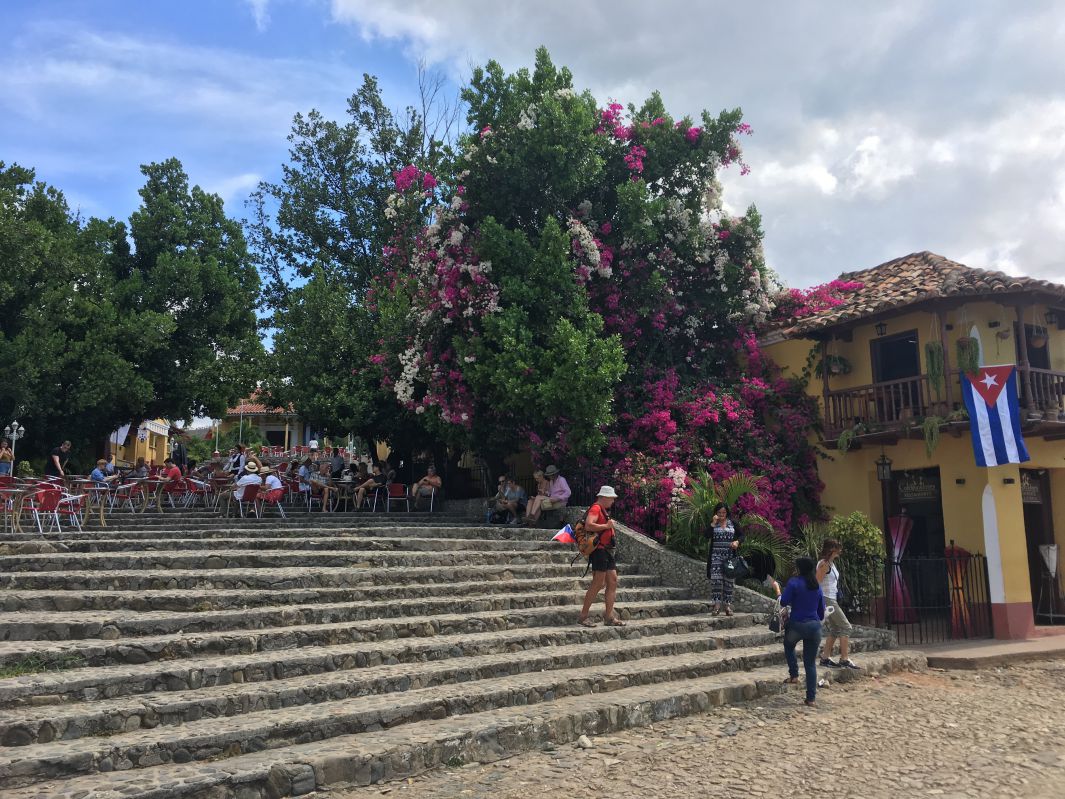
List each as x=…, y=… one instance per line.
x=881, y=401
x=151, y=441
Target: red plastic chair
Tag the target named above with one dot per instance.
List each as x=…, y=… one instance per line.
x=397, y=492
x=175, y=489
x=250, y=498
x=274, y=498
x=52, y=503
x=194, y=492
x=131, y=494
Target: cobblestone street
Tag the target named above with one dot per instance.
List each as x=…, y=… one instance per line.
x=985, y=734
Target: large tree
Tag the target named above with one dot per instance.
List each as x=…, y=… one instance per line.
x=318, y=236
x=96, y=333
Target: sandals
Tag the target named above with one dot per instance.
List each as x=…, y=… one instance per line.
x=614, y=622
x=586, y=622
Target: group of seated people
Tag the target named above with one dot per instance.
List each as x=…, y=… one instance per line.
x=328, y=479
x=335, y=478
x=512, y=504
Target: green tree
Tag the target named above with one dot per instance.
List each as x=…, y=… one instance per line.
x=191, y=264
x=317, y=236
x=99, y=333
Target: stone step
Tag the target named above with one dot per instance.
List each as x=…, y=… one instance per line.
x=297, y=767
x=113, y=681
x=279, y=579
x=221, y=599
x=496, y=533
x=236, y=559
x=111, y=625
x=234, y=735
x=23, y=726
x=97, y=652
x=371, y=543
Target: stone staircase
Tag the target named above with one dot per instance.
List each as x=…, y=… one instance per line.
x=184, y=655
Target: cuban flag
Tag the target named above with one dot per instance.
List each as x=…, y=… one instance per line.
x=994, y=415
x=565, y=536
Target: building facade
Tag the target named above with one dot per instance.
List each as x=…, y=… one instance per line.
x=885, y=367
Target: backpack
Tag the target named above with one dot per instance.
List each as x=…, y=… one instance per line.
x=586, y=540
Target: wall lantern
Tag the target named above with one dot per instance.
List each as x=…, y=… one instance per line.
x=1051, y=317
x=883, y=467
x=881, y=328
x=1008, y=481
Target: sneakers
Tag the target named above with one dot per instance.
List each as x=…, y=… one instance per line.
x=848, y=664
x=829, y=663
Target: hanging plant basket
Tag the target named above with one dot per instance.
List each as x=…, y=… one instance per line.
x=968, y=355
x=1039, y=338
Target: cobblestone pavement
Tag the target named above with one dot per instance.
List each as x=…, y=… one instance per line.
x=984, y=734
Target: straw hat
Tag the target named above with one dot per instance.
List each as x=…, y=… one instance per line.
x=251, y=468
x=551, y=471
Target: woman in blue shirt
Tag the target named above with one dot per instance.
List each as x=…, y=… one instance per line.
x=803, y=596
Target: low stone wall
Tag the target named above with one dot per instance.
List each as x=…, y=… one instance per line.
x=681, y=571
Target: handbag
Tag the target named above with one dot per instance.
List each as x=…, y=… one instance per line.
x=843, y=595
x=779, y=618
x=735, y=568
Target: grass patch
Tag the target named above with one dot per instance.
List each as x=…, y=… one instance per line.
x=36, y=665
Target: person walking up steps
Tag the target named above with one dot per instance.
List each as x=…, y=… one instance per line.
x=802, y=595
x=724, y=541
x=837, y=623
x=602, y=562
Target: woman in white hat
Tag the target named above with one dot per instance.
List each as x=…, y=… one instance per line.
x=604, y=566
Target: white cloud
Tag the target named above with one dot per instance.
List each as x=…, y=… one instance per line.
x=233, y=187
x=260, y=12
x=880, y=129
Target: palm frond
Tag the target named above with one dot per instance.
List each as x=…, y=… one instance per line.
x=766, y=542
x=741, y=484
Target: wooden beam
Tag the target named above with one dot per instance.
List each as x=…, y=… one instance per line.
x=941, y=323
x=1026, y=368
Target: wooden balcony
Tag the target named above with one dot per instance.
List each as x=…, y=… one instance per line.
x=896, y=407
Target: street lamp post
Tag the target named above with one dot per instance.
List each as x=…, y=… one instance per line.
x=13, y=432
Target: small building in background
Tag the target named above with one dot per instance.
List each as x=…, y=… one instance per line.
x=150, y=440
x=277, y=427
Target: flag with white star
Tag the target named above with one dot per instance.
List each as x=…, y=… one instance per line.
x=994, y=415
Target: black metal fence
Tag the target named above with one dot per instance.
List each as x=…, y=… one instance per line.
x=928, y=599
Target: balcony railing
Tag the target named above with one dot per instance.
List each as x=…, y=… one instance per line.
x=895, y=403
x=884, y=404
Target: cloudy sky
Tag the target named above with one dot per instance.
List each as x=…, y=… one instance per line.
x=880, y=128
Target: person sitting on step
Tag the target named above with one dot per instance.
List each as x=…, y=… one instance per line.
x=558, y=494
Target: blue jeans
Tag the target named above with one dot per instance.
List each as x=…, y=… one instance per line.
x=5, y=467
x=809, y=632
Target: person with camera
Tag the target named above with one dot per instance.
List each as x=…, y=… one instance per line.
x=724, y=541
x=837, y=623
x=602, y=562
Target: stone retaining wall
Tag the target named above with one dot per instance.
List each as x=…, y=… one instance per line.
x=679, y=570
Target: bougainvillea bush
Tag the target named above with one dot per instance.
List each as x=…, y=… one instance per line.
x=576, y=288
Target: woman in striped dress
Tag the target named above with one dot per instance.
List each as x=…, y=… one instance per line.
x=723, y=543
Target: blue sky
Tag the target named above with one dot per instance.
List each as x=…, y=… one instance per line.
x=89, y=91
x=880, y=128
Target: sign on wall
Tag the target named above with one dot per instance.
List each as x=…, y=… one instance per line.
x=917, y=487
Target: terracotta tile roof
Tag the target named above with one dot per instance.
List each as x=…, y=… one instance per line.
x=252, y=406
x=913, y=279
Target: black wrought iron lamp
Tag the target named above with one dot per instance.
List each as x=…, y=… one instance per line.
x=883, y=468
x=881, y=328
